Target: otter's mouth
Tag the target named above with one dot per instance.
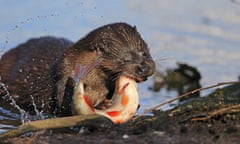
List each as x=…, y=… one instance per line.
x=142, y=79
x=137, y=79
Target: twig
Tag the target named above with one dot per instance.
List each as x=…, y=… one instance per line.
x=184, y=95
x=94, y=120
x=217, y=112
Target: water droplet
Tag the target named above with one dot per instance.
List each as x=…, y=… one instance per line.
x=38, y=113
x=25, y=117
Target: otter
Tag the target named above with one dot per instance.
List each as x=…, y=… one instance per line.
x=43, y=68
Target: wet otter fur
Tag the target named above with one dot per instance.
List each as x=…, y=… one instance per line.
x=28, y=70
x=44, y=67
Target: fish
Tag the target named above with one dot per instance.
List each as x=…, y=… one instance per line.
x=82, y=104
x=124, y=102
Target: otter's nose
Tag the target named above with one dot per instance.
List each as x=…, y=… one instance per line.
x=146, y=68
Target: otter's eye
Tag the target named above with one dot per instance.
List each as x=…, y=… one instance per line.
x=144, y=54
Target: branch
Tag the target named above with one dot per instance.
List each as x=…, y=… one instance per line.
x=93, y=120
x=218, y=112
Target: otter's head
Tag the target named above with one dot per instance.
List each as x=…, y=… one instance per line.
x=123, y=50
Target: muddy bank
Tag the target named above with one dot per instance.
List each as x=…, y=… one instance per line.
x=211, y=119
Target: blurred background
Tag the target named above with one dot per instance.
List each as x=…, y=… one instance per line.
x=204, y=34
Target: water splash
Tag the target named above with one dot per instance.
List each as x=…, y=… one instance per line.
x=25, y=116
x=39, y=114
x=21, y=24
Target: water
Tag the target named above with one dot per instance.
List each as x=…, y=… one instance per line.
x=8, y=117
x=205, y=34
x=12, y=114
